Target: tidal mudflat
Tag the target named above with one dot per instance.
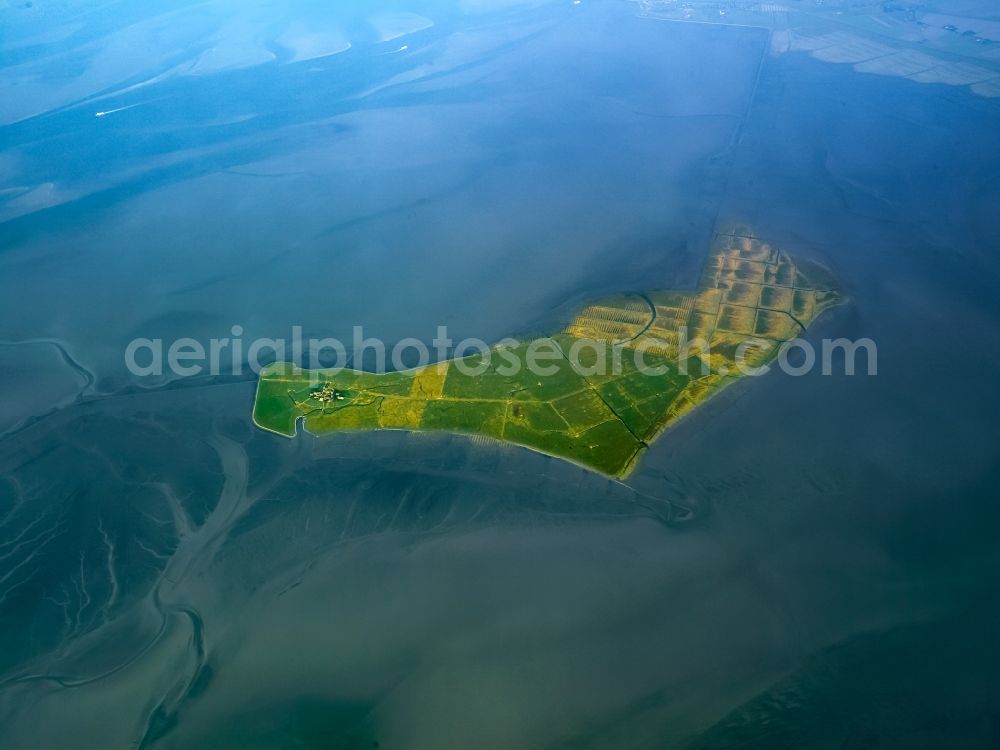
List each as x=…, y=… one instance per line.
x=779, y=562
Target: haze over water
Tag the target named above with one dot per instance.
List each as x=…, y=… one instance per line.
x=818, y=552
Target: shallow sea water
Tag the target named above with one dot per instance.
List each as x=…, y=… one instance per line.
x=813, y=555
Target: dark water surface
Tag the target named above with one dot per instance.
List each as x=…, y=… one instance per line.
x=804, y=562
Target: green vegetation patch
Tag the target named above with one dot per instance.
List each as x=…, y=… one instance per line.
x=583, y=394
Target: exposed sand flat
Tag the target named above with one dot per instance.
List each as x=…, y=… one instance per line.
x=839, y=47
x=880, y=59
x=954, y=74
x=391, y=26
x=27, y=200
x=781, y=41
x=307, y=44
x=809, y=43
x=853, y=51
x=903, y=63
x=989, y=88
x=229, y=55
x=237, y=44
x=131, y=52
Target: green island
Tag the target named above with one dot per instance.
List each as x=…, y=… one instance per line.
x=595, y=405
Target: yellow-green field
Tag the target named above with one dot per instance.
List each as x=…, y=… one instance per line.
x=596, y=406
